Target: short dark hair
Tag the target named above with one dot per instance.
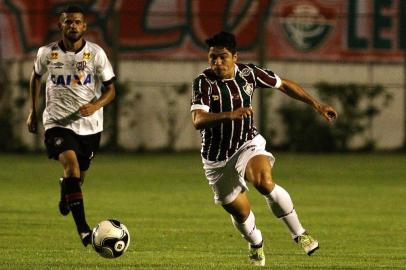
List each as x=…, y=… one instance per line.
x=224, y=40
x=72, y=9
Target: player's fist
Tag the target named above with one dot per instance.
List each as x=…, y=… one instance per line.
x=88, y=109
x=241, y=113
x=32, y=122
x=328, y=112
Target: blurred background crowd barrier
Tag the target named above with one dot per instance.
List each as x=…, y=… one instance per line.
x=350, y=53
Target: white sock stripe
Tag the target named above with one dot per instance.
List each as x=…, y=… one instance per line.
x=284, y=215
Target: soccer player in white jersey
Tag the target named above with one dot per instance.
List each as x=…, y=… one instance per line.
x=73, y=116
x=233, y=152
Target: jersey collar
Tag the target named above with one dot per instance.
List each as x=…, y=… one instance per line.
x=60, y=44
x=235, y=73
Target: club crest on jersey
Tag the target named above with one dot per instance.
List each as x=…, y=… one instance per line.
x=81, y=65
x=86, y=56
x=248, y=88
x=72, y=80
x=54, y=55
x=215, y=97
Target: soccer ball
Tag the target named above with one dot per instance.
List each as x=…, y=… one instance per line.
x=110, y=238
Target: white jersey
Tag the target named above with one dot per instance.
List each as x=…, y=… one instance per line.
x=74, y=79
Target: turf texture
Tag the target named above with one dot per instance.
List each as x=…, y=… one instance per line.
x=354, y=204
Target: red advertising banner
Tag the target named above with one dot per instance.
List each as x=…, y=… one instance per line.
x=352, y=30
x=317, y=30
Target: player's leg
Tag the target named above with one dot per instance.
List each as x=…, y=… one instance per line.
x=229, y=191
x=243, y=220
x=259, y=172
x=82, y=176
x=73, y=192
x=86, y=236
x=56, y=141
x=63, y=204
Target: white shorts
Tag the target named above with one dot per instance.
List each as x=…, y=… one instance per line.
x=226, y=178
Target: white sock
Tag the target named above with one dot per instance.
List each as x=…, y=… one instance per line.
x=281, y=206
x=248, y=230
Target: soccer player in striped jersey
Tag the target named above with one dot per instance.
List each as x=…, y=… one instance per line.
x=233, y=152
x=73, y=115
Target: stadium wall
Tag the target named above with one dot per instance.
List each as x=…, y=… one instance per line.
x=155, y=115
x=387, y=127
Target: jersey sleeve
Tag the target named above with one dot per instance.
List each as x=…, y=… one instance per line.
x=40, y=63
x=265, y=78
x=104, y=70
x=200, y=95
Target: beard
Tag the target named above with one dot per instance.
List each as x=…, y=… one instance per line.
x=73, y=36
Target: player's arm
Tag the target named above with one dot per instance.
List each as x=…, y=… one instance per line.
x=34, y=89
x=107, y=96
x=202, y=119
x=297, y=92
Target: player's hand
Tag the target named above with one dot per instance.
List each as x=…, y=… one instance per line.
x=88, y=109
x=32, y=123
x=241, y=113
x=328, y=112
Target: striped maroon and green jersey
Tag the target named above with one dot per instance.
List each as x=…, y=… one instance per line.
x=216, y=95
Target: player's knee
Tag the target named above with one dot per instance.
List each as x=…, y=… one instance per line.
x=242, y=216
x=263, y=183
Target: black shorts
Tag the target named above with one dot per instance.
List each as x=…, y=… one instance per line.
x=58, y=140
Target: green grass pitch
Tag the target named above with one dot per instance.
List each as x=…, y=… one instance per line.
x=354, y=204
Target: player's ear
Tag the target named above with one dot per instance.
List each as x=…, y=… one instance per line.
x=235, y=57
x=84, y=26
x=60, y=20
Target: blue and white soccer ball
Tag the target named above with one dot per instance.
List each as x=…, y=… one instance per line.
x=110, y=238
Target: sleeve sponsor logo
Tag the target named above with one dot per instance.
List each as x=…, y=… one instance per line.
x=246, y=71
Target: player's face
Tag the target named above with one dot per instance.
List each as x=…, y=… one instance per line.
x=222, y=62
x=72, y=26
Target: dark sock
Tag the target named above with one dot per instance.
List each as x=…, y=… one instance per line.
x=74, y=198
x=63, y=189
